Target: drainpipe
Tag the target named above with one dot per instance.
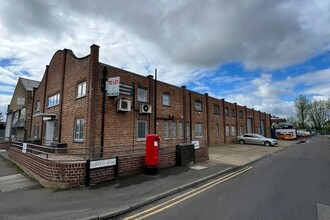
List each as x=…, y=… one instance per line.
x=184, y=113
x=190, y=117
x=62, y=97
x=207, y=119
x=103, y=86
x=155, y=101
x=224, y=121
x=44, y=105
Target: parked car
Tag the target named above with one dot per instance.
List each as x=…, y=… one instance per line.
x=287, y=136
x=250, y=138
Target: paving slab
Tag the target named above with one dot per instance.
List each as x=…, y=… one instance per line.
x=15, y=182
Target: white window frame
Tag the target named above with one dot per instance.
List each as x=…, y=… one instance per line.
x=166, y=99
x=142, y=95
x=79, y=125
x=227, y=131
x=166, y=130
x=173, y=129
x=38, y=106
x=145, y=130
x=53, y=100
x=198, y=106
x=198, y=130
x=180, y=129
x=233, y=130
x=81, y=90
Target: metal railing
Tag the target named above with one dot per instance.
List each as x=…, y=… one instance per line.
x=65, y=154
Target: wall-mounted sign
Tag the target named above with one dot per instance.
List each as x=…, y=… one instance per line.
x=24, y=147
x=113, y=86
x=125, y=89
x=102, y=163
x=196, y=144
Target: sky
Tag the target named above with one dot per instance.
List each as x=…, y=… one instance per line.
x=257, y=53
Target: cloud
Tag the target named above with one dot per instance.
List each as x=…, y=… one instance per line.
x=185, y=40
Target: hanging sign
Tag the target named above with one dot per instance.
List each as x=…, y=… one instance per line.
x=125, y=90
x=113, y=86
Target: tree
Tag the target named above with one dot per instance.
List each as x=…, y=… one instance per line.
x=319, y=113
x=302, y=106
x=1, y=117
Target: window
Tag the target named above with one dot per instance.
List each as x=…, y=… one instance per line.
x=166, y=99
x=79, y=130
x=173, y=129
x=216, y=110
x=226, y=112
x=241, y=115
x=217, y=130
x=232, y=112
x=141, y=130
x=22, y=113
x=166, y=130
x=142, y=95
x=240, y=130
x=227, y=130
x=81, y=90
x=180, y=130
x=198, y=106
x=54, y=100
x=233, y=130
x=36, y=131
x=188, y=129
x=198, y=130
x=38, y=106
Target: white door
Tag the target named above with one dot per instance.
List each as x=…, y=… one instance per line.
x=49, y=134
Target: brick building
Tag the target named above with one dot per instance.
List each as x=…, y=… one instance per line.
x=19, y=110
x=72, y=105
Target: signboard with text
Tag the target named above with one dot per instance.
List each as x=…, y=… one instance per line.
x=102, y=163
x=196, y=144
x=125, y=89
x=112, y=86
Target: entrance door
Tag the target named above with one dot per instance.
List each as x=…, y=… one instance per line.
x=49, y=133
x=249, y=125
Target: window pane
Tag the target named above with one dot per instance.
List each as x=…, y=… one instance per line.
x=198, y=106
x=142, y=95
x=227, y=130
x=166, y=129
x=141, y=129
x=173, y=129
x=233, y=131
x=180, y=129
x=166, y=99
x=198, y=130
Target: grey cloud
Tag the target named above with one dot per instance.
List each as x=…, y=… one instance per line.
x=258, y=33
x=30, y=18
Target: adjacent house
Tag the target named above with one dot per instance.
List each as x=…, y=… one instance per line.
x=19, y=110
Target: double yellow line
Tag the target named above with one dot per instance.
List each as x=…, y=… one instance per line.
x=185, y=196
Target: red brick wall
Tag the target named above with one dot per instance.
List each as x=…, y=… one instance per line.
x=5, y=145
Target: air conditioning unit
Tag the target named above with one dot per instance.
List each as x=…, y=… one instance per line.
x=124, y=105
x=145, y=108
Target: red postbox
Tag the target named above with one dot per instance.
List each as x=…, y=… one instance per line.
x=152, y=154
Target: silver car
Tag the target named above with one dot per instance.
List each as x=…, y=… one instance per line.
x=250, y=138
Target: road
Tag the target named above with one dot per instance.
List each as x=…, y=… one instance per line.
x=291, y=184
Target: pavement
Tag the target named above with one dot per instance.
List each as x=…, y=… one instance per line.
x=112, y=198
